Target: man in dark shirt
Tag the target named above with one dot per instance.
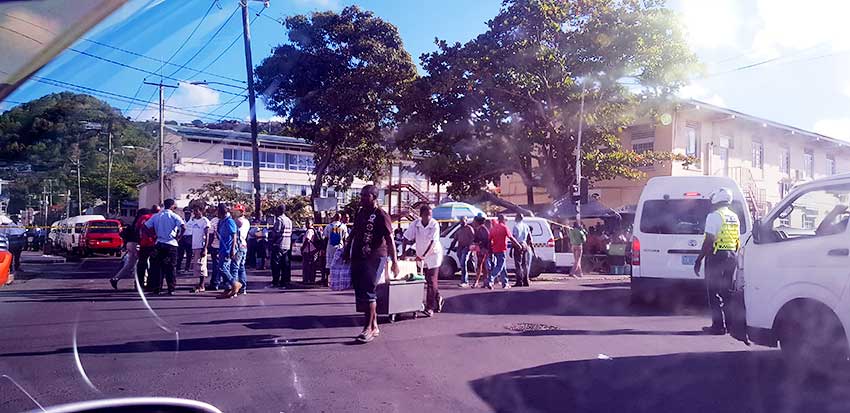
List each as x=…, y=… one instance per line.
x=481, y=246
x=371, y=245
x=462, y=240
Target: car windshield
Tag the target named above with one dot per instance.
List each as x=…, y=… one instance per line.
x=128, y=127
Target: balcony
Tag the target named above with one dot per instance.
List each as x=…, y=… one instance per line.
x=204, y=169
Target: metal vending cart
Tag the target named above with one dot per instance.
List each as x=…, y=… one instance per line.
x=402, y=295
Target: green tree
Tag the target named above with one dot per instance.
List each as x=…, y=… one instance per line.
x=52, y=133
x=509, y=100
x=339, y=80
x=214, y=193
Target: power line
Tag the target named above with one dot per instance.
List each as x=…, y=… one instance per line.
x=197, y=26
x=232, y=109
x=118, y=96
x=107, y=45
x=226, y=49
x=142, y=70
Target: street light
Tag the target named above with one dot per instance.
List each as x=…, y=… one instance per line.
x=206, y=82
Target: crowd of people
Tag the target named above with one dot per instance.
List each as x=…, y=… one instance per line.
x=217, y=245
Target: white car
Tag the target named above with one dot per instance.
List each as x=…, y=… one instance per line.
x=795, y=270
x=668, y=233
x=542, y=238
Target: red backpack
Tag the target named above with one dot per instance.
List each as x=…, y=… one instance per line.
x=147, y=236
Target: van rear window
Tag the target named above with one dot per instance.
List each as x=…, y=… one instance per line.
x=680, y=216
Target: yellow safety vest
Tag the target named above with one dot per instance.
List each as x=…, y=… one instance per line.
x=728, y=239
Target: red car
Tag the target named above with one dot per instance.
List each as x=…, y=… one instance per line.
x=102, y=236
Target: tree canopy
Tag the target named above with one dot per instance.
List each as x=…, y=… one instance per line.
x=338, y=81
x=508, y=101
x=52, y=133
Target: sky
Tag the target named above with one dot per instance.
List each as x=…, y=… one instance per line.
x=779, y=59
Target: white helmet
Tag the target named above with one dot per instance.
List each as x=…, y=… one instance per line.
x=721, y=196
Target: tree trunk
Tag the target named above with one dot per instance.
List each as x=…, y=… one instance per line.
x=529, y=195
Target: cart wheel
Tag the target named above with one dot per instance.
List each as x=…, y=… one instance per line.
x=391, y=318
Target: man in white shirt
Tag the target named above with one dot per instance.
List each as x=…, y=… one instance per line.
x=424, y=233
x=198, y=228
x=335, y=233
x=212, y=249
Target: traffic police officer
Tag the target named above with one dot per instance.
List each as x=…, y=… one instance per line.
x=720, y=248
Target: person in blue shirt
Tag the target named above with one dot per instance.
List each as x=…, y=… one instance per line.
x=523, y=252
x=226, y=232
x=169, y=227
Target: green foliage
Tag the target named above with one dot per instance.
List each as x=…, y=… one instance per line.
x=339, y=80
x=508, y=101
x=211, y=194
x=49, y=134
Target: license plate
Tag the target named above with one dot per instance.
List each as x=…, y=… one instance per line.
x=689, y=259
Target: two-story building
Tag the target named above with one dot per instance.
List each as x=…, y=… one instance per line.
x=766, y=158
x=196, y=156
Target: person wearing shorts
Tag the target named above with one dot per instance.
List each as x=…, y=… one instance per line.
x=371, y=246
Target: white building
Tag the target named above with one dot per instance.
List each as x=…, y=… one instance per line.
x=197, y=156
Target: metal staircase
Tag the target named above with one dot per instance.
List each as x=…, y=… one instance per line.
x=754, y=194
x=408, y=210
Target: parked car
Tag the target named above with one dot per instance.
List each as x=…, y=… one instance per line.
x=795, y=270
x=70, y=232
x=101, y=236
x=669, y=230
x=542, y=238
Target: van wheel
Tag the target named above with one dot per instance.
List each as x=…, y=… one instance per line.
x=811, y=337
x=448, y=269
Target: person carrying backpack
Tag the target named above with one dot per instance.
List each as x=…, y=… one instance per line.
x=336, y=234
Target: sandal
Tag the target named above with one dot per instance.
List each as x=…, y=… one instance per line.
x=199, y=289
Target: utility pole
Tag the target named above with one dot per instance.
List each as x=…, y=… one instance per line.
x=109, y=168
x=160, y=163
x=68, y=204
x=578, y=154
x=249, y=68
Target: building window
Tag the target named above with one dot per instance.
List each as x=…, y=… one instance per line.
x=785, y=160
x=809, y=163
x=642, y=132
x=758, y=155
x=830, y=165
x=692, y=135
x=643, y=147
x=269, y=160
x=237, y=157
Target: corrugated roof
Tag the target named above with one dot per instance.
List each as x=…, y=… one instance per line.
x=230, y=135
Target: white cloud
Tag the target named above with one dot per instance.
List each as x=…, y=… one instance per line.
x=185, y=96
x=837, y=128
x=271, y=119
x=699, y=92
x=711, y=23
x=790, y=24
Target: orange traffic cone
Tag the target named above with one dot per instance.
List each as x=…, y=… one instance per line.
x=5, y=266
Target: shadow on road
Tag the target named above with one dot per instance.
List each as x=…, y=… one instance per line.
x=151, y=346
x=294, y=322
x=596, y=302
x=717, y=382
x=70, y=295
x=618, y=332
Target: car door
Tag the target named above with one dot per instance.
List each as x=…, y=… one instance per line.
x=802, y=250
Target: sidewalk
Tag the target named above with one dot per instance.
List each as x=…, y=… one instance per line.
x=36, y=257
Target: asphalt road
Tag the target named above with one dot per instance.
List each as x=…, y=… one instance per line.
x=568, y=346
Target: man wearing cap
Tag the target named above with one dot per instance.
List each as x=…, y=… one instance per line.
x=243, y=226
x=720, y=249
x=169, y=227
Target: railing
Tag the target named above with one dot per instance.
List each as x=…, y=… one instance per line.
x=754, y=194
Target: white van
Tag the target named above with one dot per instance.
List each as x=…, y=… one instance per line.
x=541, y=236
x=795, y=270
x=668, y=232
x=70, y=230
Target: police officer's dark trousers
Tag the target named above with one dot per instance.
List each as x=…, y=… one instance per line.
x=719, y=270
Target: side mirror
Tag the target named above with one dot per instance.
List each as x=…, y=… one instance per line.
x=757, y=231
